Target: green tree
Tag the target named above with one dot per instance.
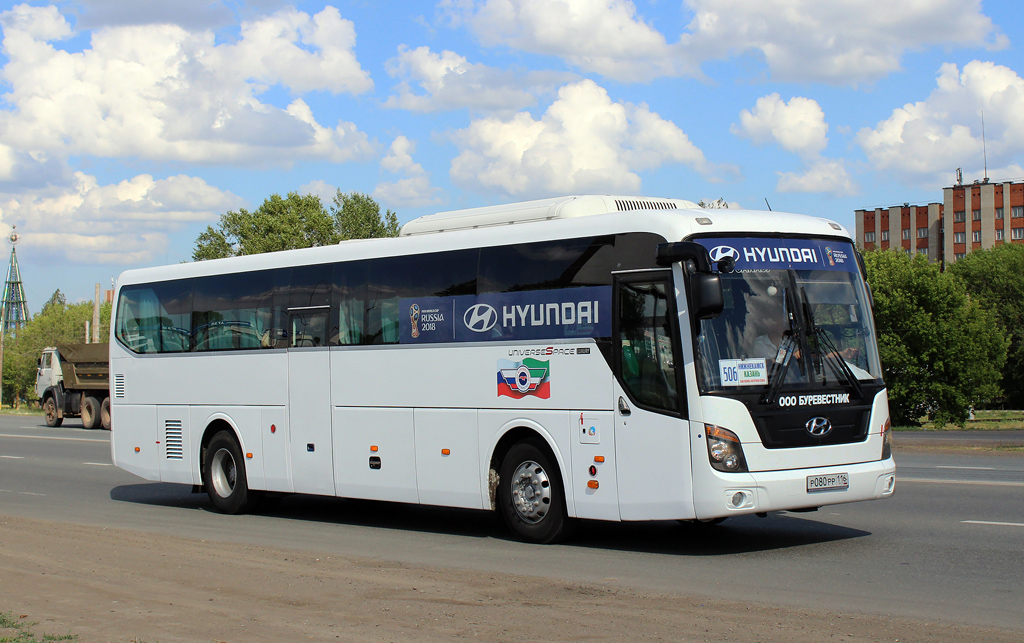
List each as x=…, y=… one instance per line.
x=357, y=216
x=295, y=221
x=57, y=322
x=996, y=279
x=941, y=351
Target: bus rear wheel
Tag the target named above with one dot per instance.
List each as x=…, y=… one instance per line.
x=531, y=498
x=224, y=475
x=90, y=412
x=50, y=411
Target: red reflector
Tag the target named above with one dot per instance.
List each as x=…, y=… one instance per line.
x=273, y=428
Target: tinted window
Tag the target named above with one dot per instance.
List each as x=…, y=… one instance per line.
x=155, y=318
x=233, y=312
x=392, y=279
x=309, y=302
x=647, y=344
x=546, y=265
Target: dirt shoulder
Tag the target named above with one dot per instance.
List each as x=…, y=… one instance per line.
x=120, y=585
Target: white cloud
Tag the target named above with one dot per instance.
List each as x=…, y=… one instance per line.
x=605, y=36
x=583, y=142
x=925, y=141
x=320, y=188
x=843, y=42
x=414, y=189
x=798, y=126
x=449, y=81
x=819, y=175
x=120, y=223
x=162, y=92
x=186, y=13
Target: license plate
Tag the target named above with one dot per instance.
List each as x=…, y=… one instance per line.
x=828, y=482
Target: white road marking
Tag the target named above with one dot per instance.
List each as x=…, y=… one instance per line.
x=990, y=483
x=50, y=437
x=98, y=464
x=941, y=466
x=992, y=522
x=24, y=493
x=13, y=457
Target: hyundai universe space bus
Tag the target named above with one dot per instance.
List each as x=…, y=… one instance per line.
x=588, y=357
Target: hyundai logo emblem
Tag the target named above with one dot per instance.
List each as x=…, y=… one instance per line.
x=819, y=427
x=480, y=318
x=720, y=252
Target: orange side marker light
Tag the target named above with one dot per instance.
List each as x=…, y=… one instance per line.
x=593, y=484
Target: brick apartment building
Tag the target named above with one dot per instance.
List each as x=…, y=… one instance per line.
x=982, y=215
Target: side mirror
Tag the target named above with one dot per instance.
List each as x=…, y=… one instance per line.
x=706, y=287
x=708, y=300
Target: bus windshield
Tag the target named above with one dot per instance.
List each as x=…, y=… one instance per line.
x=789, y=325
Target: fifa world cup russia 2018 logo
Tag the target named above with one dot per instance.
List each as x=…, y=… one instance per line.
x=828, y=253
x=414, y=317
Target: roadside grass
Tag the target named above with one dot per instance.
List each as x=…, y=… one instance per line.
x=997, y=420
x=18, y=630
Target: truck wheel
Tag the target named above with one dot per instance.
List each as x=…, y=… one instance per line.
x=224, y=475
x=531, y=498
x=105, y=414
x=90, y=412
x=50, y=410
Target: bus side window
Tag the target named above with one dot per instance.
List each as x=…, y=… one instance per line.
x=647, y=344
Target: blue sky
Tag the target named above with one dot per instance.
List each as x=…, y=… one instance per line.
x=128, y=126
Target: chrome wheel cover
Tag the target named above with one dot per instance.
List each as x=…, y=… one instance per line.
x=531, y=492
x=223, y=473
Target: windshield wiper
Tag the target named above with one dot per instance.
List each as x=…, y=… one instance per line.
x=778, y=373
x=827, y=350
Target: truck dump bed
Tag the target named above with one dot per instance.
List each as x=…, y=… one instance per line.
x=85, y=366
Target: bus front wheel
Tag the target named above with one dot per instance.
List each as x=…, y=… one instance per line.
x=531, y=497
x=224, y=475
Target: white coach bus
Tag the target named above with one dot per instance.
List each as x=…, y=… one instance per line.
x=597, y=357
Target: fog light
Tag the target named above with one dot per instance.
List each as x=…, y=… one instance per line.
x=738, y=498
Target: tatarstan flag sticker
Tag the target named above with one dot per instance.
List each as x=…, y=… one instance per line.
x=528, y=377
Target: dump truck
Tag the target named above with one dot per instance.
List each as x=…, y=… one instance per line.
x=72, y=380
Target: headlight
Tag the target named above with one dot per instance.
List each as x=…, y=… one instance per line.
x=886, y=440
x=724, y=449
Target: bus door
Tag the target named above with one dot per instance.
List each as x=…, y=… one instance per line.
x=309, y=379
x=652, y=451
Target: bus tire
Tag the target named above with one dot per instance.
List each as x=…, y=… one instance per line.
x=105, y=414
x=531, y=498
x=224, y=475
x=90, y=412
x=50, y=412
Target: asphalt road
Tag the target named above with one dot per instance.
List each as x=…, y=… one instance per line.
x=949, y=546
